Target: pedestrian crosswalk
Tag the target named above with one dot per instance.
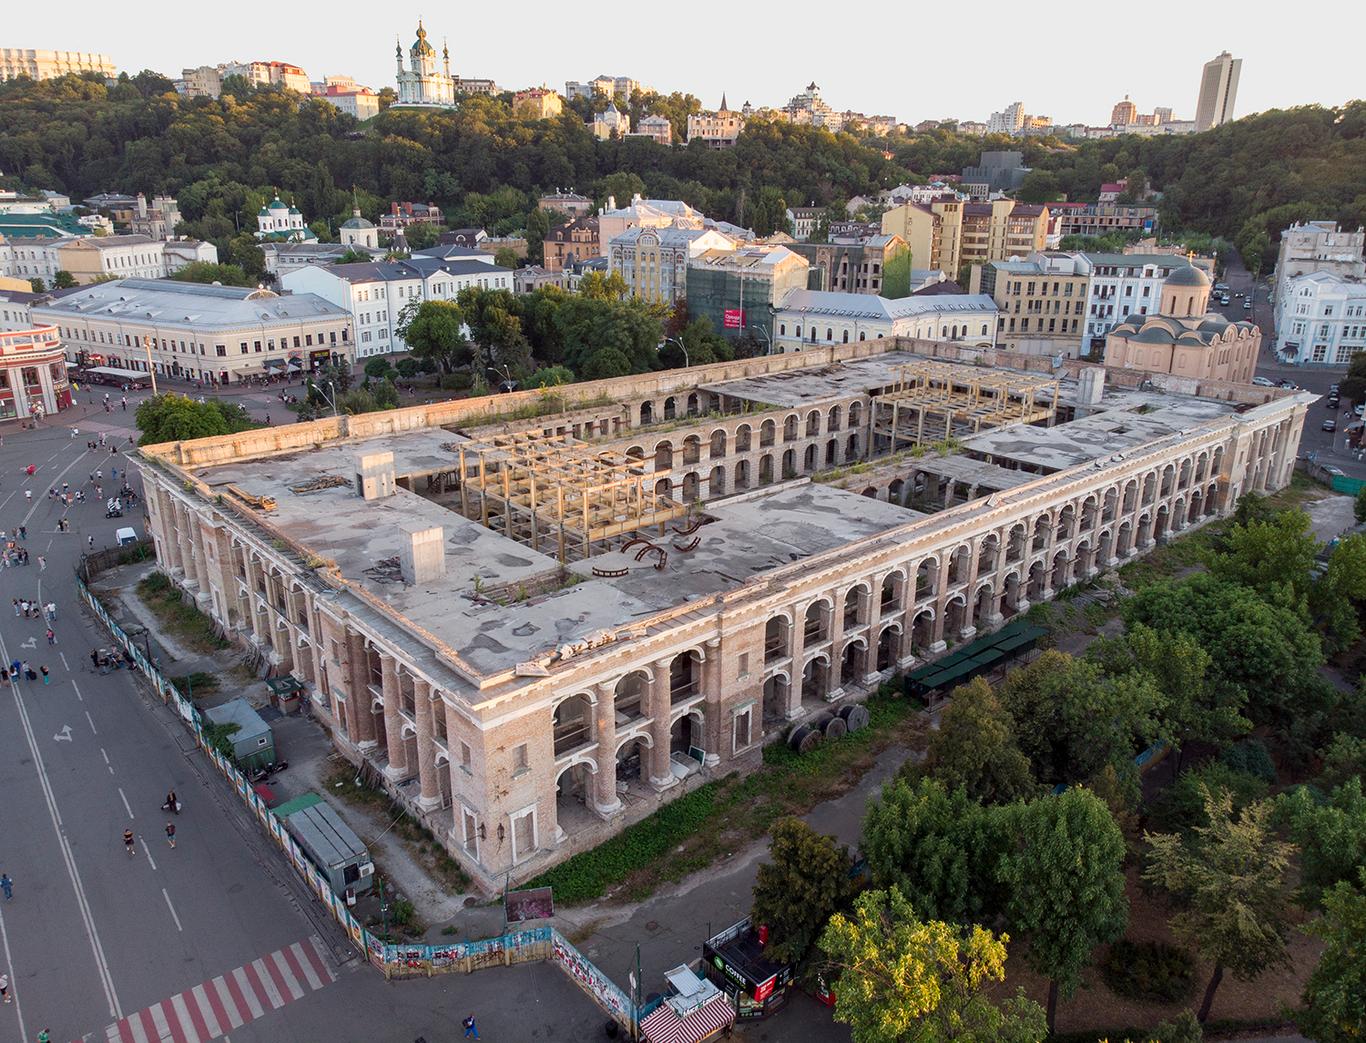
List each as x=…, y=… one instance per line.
x=218, y=1006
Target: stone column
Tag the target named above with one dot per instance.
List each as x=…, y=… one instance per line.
x=397, y=767
x=661, y=700
x=605, y=800
x=183, y=537
x=798, y=644
x=712, y=687
x=358, y=685
x=201, y=561
x=426, y=746
x=166, y=522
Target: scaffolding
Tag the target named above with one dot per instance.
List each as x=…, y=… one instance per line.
x=554, y=491
x=933, y=401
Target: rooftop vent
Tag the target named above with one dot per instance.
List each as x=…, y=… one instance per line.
x=375, y=475
x=422, y=555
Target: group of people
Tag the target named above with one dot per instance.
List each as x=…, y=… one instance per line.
x=18, y=669
x=33, y=610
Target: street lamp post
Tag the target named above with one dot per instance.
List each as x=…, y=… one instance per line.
x=151, y=369
x=681, y=347
x=329, y=399
x=768, y=340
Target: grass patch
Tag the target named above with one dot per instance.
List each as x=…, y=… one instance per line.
x=692, y=832
x=422, y=846
x=197, y=683
x=181, y=618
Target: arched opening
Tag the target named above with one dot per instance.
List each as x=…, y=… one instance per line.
x=851, y=452
x=851, y=662
x=629, y=698
x=691, y=487
x=960, y=564
x=955, y=615
x=790, y=427
x=573, y=724
x=1041, y=529
x=810, y=459
x=1057, y=575
x=1160, y=529
x=718, y=444
x=835, y=416
x=694, y=404
x=573, y=787
x=816, y=678
x=989, y=555
x=887, y=643
x=1168, y=480
x=790, y=463
x=1194, y=512
x=1015, y=544
x=1124, y=541
x=1010, y=603
x=816, y=623
x=743, y=436
x=1037, y=582
x=664, y=487
x=896, y=489
x=1086, y=560
x=670, y=408
x=692, y=449
x=767, y=432
x=870, y=492
x=742, y=476
x=1090, y=514
x=716, y=484
x=831, y=453
x=1149, y=489
x=1183, y=479
x=889, y=601
x=664, y=456
x=1064, y=526
x=927, y=579
x=766, y=469
x=647, y=413
x=984, y=605
x=855, y=414
x=922, y=631
x=777, y=639
x=813, y=423
x=853, y=607
x=685, y=676
x=1130, y=501
x=776, y=695
x=631, y=760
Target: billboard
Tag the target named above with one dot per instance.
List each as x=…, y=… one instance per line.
x=734, y=318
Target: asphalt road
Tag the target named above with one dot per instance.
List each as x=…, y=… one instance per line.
x=94, y=938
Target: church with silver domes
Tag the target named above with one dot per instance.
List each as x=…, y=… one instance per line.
x=423, y=84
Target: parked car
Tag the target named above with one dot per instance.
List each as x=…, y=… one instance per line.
x=1329, y=425
x=1264, y=382
x=1289, y=385
x=1247, y=305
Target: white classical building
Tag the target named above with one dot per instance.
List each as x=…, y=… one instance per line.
x=359, y=233
x=282, y=223
x=376, y=293
x=91, y=258
x=46, y=65
x=808, y=319
x=1321, y=319
x=1318, y=246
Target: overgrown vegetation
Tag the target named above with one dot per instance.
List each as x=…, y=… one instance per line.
x=178, y=616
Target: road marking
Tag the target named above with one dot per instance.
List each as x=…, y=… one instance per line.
x=53, y=483
x=49, y=544
x=148, y=851
x=92, y=722
x=14, y=975
x=78, y=689
x=126, y=805
x=64, y=735
x=191, y=1021
x=227, y=1003
x=208, y=1006
x=67, y=668
x=172, y=908
x=82, y=902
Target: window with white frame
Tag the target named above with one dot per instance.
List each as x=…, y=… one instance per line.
x=469, y=826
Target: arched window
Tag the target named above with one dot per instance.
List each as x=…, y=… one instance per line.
x=782, y=330
x=829, y=333
x=846, y=336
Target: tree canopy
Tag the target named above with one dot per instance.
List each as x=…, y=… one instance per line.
x=805, y=880
x=1335, y=995
x=174, y=418
x=975, y=748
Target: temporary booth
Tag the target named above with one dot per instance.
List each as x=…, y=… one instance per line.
x=330, y=844
x=734, y=961
x=253, y=744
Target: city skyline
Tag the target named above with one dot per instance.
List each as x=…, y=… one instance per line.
x=872, y=87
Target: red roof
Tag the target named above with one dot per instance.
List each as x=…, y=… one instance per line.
x=663, y=1025
x=1113, y=186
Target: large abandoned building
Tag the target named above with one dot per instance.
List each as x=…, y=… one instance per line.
x=539, y=615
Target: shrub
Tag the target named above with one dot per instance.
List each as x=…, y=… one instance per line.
x=1251, y=758
x=1181, y=805
x=1149, y=971
x=461, y=381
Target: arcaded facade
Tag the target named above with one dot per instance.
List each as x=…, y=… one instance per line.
x=538, y=630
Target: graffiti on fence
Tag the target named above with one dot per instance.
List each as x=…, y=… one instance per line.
x=591, y=980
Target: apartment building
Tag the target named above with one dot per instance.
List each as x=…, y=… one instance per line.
x=811, y=319
x=855, y=266
x=46, y=65
x=1121, y=285
x=1321, y=319
x=576, y=241
x=654, y=261
x=1000, y=229
x=1041, y=300
x=933, y=231
x=1318, y=246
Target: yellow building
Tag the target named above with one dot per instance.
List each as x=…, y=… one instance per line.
x=538, y=103
x=1041, y=302
x=1002, y=229
x=932, y=230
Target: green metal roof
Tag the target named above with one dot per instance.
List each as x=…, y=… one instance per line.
x=304, y=800
x=33, y=226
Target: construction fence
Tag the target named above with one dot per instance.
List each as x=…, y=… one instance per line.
x=394, y=961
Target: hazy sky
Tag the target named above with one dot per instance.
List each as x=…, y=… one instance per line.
x=1066, y=59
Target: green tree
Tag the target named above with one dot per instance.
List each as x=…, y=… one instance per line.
x=435, y=336
x=174, y=418
x=975, y=748
x=537, y=228
x=1064, y=878
x=37, y=285
x=1193, y=708
x=1273, y=557
x=1358, y=505
x=906, y=980
x=1331, y=836
x=805, y=880
x=422, y=235
x=596, y=286
x=552, y=376
x=1071, y=720
x=1228, y=877
x=1344, y=758
x=1335, y=995
x=207, y=272
x=896, y=276
x=63, y=280
x=1336, y=597
x=1353, y=385
x=506, y=257
x=940, y=847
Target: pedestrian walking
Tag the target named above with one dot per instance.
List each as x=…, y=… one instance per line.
x=51, y=636
x=51, y=610
x=128, y=842
x=125, y=403
x=90, y=542
x=23, y=532
x=471, y=1030
x=46, y=679
x=4, y=987
x=29, y=675
x=7, y=886
x=170, y=833
x=28, y=495
x=45, y=1036
x=42, y=563
x=16, y=606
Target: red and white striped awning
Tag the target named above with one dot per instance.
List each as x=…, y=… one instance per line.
x=663, y=1025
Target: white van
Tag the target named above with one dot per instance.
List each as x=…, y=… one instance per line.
x=125, y=536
